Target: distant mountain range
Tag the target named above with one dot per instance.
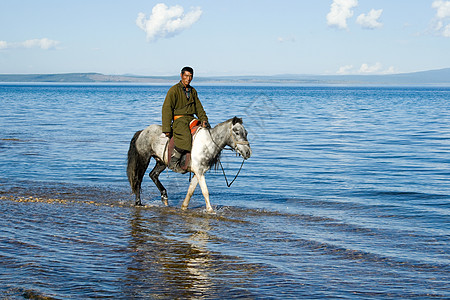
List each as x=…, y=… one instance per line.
x=441, y=77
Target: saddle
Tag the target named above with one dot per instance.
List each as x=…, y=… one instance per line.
x=194, y=125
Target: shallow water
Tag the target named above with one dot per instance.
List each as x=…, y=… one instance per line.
x=346, y=196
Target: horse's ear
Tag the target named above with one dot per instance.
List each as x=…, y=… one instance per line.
x=237, y=120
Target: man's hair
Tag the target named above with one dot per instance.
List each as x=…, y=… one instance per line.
x=189, y=69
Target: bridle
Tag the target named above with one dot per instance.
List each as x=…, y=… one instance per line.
x=236, y=142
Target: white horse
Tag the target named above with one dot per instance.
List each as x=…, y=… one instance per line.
x=206, y=148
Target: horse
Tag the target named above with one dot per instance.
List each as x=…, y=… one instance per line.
x=207, y=146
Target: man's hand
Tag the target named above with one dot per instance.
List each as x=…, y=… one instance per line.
x=205, y=124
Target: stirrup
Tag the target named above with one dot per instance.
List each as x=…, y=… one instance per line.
x=175, y=162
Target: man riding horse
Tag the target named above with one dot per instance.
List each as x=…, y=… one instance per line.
x=178, y=111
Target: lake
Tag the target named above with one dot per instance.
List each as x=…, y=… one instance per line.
x=346, y=196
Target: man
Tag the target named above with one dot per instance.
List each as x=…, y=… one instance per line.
x=178, y=111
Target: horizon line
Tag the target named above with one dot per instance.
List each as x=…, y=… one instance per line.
x=223, y=75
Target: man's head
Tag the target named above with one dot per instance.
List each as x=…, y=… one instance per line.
x=187, y=73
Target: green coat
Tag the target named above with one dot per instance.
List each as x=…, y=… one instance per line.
x=176, y=103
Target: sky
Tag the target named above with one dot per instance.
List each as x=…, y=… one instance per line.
x=224, y=38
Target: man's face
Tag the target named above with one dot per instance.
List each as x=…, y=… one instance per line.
x=186, y=78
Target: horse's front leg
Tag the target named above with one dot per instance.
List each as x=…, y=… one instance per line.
x=191, y=189
x=205, y=192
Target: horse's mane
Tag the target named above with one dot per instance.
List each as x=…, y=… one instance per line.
x=236, y=120
x=215, y=162
x=233, y=120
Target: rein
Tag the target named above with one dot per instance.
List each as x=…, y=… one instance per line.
x=223, y=171
x=221, y=166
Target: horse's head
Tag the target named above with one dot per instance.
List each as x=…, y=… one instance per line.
x=239, y=140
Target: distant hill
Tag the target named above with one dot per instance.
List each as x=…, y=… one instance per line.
x=441, y=76
x=83, y=77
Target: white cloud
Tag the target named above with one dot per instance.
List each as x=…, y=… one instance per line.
x=167, y=21
x=344, y=70
x=44, y=43
x=286, y=39
x=370, y=21
x=442, y=8
x=340, y=11
x=366, y=69
x=446, y=31
x=390, y=70
x=442, y=18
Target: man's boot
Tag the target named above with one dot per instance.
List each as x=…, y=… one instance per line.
x=175, y=161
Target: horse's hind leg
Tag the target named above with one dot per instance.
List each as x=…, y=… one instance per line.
x=138, y=202
x=154, y=175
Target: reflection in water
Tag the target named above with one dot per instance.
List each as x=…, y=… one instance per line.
x=165, y=264
x=199, y=265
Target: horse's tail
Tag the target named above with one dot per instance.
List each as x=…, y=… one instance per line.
x=136, y=166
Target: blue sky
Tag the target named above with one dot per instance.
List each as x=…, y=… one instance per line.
x=224, y=37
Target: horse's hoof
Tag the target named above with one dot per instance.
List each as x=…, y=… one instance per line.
x=211, y=211
x=183, y=207
x=165, y=200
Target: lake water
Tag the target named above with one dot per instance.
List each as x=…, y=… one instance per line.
x=346, y=196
